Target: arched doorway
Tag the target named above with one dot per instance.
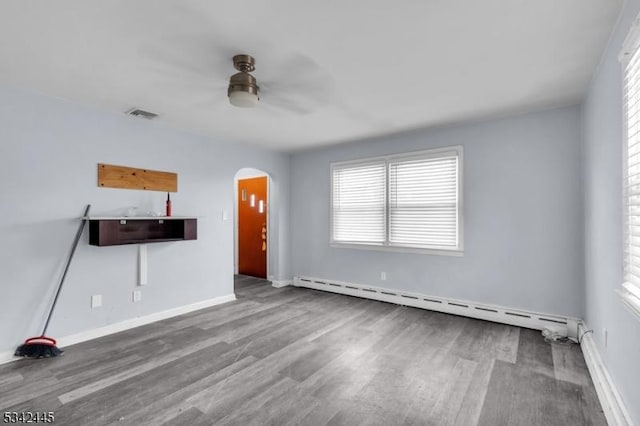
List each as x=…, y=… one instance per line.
x=252, y=222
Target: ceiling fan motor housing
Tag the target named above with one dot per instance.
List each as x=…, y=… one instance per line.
x=243, y=82
x=243, y=88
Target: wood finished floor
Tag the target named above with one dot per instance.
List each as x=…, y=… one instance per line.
x=297, y=356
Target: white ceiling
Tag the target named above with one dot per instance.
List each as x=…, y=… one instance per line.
x=350, y=69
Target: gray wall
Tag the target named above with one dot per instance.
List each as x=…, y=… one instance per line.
x=522, y=227
x=49, y=150
x=602, y=163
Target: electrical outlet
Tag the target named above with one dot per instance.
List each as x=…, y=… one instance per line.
x=137, y=295
x=383, y=276
x=96, y=301
x=605, y=336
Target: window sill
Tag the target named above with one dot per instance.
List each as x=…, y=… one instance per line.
x=631, y=302
x=432, y=251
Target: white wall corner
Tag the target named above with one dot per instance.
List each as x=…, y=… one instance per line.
x=611, y=401
x=281, y=283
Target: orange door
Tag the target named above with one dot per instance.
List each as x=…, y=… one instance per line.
x=252, y=227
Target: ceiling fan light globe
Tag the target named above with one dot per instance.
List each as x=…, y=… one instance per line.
x=243, y=99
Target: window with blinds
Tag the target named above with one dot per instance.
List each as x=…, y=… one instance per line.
x=359, y=193
x=409, y=201
x=631, y=222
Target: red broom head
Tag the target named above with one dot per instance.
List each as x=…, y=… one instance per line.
x=39, y=347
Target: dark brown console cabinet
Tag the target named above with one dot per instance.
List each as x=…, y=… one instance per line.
x=127, y=230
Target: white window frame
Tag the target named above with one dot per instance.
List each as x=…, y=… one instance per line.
x=417, y=155
x=629, y=292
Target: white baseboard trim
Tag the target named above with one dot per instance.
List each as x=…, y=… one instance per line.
x=281, y=283
x=129, y=324
x=611, y=401
x=7, y=357
x=534, y=320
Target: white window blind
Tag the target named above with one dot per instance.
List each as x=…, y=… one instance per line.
x=423, y=202
x=631, y=286
x=359, y=194
x=409, y=201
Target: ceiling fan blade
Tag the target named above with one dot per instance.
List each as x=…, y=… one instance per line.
x=297, y=78
x=203, y=56
x=192, y=53
x=300, y=99
x=302, y=95
x=290, y=106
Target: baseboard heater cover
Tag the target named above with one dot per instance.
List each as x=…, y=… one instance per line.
x=465, y=308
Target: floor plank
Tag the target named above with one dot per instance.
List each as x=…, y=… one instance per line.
x=293, y=356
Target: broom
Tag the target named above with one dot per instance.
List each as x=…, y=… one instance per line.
x=43, y=346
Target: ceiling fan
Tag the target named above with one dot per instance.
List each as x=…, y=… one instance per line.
x=243, y=89
x=289, y=81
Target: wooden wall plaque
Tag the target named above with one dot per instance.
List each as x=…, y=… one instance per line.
x=110, y=176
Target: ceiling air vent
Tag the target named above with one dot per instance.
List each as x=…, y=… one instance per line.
x=142, y=113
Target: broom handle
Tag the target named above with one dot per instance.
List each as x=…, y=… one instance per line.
x=66, y=268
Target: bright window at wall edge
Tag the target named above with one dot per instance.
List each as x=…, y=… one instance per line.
x=630, y=59
x=410, y=202
x=631, y=297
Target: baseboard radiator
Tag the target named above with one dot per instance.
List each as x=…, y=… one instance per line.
x=566, y=325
